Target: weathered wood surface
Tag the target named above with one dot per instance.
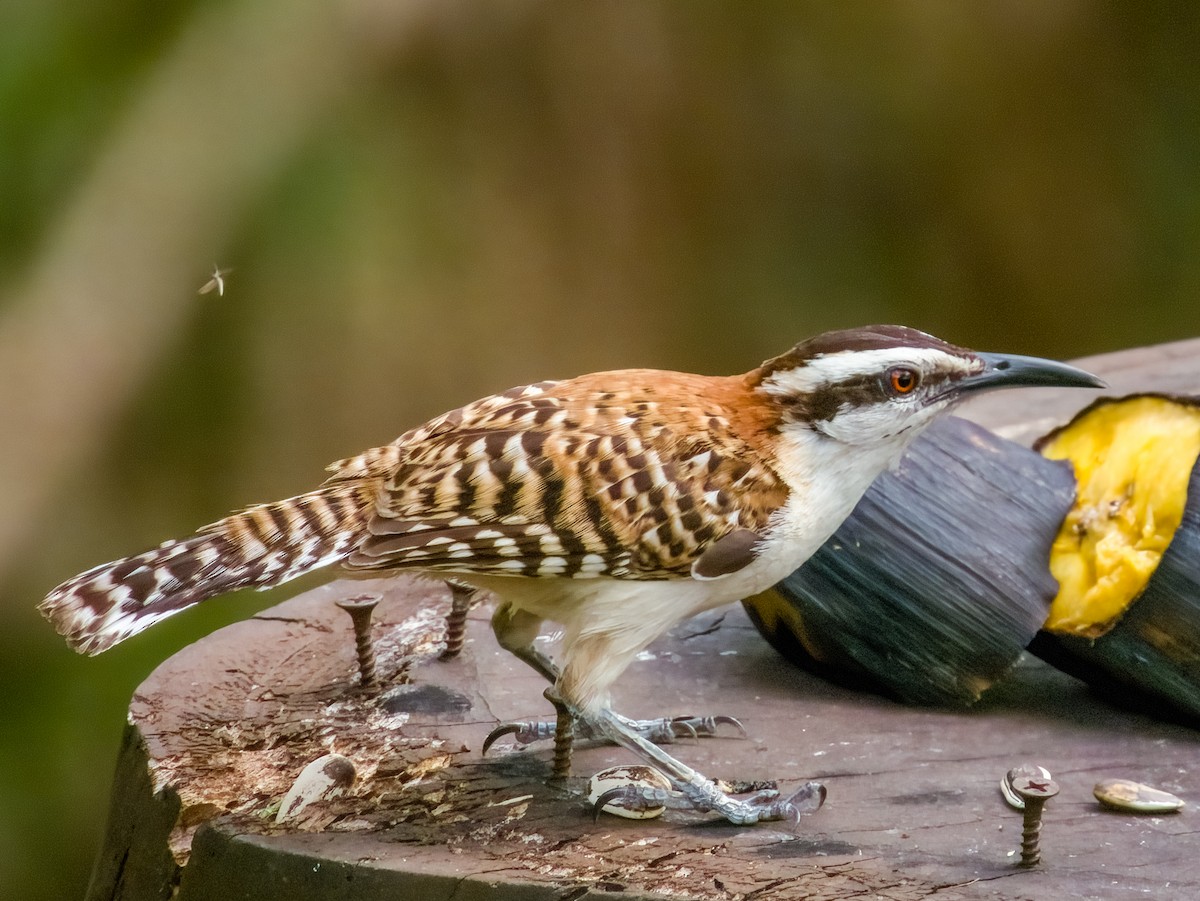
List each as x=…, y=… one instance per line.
x=219, y=732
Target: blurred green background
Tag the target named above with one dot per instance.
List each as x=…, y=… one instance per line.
x=425, y=202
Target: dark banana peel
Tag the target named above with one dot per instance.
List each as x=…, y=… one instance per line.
x=1127, y=616
x=937, y=582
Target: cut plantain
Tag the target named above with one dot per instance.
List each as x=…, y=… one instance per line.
x=936, y=583
x=1127, y=614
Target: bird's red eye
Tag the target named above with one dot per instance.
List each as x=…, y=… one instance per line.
x=902, y=380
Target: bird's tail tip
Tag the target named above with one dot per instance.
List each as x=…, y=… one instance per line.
x=107, y=604
x=259, y=547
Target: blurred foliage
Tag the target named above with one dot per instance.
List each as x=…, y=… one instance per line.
x=491, y=193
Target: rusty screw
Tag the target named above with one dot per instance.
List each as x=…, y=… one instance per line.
x=360, y=609
x=564, y=735
x=1035, y=793
x=456, y=620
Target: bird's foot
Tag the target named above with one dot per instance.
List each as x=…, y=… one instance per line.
x=663, y=730
x=640, y=792
x=635, y=792
x=562, y=730
x=759, y=807
x=523, y=733
x=697, y=792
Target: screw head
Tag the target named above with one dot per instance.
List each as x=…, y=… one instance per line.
x=359, y=602
x=1034, y=789
x=1019, y=774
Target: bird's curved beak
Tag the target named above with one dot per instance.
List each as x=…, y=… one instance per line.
x=1011, y=370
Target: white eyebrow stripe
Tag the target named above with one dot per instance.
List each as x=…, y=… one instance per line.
x=829, y=369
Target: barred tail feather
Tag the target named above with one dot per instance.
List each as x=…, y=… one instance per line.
x=258, y=547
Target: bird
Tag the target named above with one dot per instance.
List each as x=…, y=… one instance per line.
x=614, y=504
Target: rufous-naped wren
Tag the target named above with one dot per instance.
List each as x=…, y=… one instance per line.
x=615, y=504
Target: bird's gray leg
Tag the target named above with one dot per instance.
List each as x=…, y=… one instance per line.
x=582, y=687
x=700, y=792
x=515, y=631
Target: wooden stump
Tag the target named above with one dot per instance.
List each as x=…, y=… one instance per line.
x=221, y=731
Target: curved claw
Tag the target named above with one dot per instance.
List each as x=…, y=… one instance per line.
x=602, y=800
x=681, y=725
x=807, y=799
x=729, y=721
x=505, y=729
x=632, y=801
x=522, y=733
x=704, y=725
x=598, y=805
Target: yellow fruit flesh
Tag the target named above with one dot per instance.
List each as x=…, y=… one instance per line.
x=1132, y=460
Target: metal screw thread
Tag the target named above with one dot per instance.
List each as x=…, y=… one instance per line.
x=456, y=620
x=564, y=737
x=1031, y=832
x=360, y=610
x=564, y=742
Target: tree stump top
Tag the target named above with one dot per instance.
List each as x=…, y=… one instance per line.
x=220, y=732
